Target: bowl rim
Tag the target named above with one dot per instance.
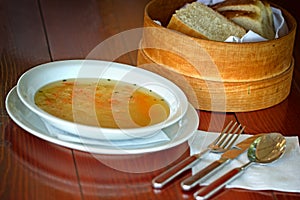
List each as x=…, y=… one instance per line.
x=60, y=123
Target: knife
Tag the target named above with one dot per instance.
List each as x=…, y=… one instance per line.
x=226, y=157
x=167, y=176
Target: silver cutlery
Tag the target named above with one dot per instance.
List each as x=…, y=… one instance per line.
x=222, y=143
x=265, y=149
x=192, y=181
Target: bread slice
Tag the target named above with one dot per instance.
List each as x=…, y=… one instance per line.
x=240, y=5
x=253, y=15
x=199, y=20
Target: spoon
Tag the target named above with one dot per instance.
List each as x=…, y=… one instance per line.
x=265, y=149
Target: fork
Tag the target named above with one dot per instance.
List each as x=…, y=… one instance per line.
x=222, y=143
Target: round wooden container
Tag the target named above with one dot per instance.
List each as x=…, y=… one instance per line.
x=225, y=96
x=222, y=76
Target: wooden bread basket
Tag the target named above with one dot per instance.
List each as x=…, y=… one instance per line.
x=217, y=76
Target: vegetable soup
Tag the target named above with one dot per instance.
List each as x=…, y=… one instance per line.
x=102, y=102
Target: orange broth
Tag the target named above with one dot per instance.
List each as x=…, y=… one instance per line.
x=102, y=102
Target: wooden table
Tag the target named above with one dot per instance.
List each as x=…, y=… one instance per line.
x=39, y=31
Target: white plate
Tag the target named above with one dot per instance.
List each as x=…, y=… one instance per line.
x=29, y=121
x=32, y=80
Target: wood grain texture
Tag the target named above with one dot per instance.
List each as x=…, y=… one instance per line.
x=279, y=118
x=23, y=42
x=29, y=166
x=224, y=96
x=102, y=175
x=32, y=168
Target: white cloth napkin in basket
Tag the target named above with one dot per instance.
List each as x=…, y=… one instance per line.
x=281, y=175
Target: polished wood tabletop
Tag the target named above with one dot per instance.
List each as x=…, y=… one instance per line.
x=33, y=32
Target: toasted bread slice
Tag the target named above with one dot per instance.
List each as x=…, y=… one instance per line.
x=253, y=15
